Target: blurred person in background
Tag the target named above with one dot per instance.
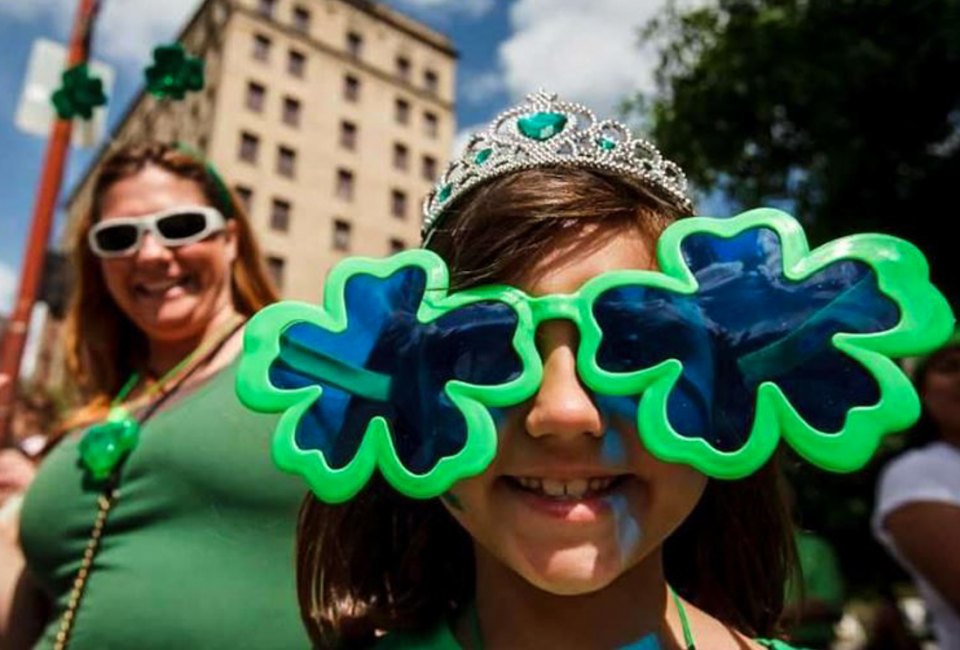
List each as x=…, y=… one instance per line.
x=917, y=513
x=157, y=520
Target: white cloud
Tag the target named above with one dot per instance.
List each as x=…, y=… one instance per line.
x=477, y=87
x=584, y=51
x=125, y=31
x=8, y=286
x=471, y=8
x=29, y=10
x=128, y=31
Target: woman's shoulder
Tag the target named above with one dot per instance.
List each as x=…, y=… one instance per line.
x=931, y=471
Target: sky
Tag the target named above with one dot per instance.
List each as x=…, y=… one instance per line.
x=585, y=50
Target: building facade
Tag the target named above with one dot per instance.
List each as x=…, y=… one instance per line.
x=331, y=119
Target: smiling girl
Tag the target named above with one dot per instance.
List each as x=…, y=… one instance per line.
x=575, y=536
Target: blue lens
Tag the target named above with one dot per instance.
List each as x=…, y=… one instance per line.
x=748, y=324
x=388, y=364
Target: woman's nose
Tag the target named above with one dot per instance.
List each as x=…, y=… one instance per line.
x=151, y=249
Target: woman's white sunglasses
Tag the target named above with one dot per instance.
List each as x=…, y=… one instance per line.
x=120, y=236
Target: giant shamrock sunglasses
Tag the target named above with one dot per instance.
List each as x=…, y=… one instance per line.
x=742, y=337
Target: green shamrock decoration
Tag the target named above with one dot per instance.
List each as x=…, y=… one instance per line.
x=742, y=337
x=105, y=445
x=79, y=94
x=174, y=72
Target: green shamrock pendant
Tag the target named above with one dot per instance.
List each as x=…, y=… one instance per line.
x=104, y=445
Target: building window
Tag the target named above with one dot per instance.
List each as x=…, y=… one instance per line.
x=429, y=168
x=249, y=147
x=255, y=96
x=275, y=269
x=266, y=7
x=261, y=47
x=430, y=81
x=401, y=157
x=280, y=215
x=403, y=68
x=296, y=63
x=341, y=235
x=431, y=124
x=348, y=135
x=401, y=111
x=397, y=245
x=291, y=111
x=351, y=88
x=286, y=161
x=345, y=184
x=398, y=204
x=354, y=45
x=245, y=196
x=301, y=19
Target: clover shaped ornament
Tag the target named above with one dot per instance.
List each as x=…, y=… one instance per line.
x=741, y=338
x=79, y=93
x=746, y=337
x=173, y=72
x=391, y=373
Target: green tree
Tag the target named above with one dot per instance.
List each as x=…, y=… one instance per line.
x=847, y=110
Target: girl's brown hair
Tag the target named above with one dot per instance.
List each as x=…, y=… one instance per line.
x=103, y=346
x=384, y=562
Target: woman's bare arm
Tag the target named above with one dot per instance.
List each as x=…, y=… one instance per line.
x=927, y=535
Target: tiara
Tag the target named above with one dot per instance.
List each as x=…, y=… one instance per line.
x=545, y=132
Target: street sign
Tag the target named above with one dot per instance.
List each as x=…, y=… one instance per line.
x=35, y=113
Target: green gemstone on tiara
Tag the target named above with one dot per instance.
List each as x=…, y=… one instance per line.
x=482, y=156
x=444, y=193
x=607, y=144
x=542, y=126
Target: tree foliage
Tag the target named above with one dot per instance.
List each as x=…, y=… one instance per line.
x=847, y=109
x=848, y=112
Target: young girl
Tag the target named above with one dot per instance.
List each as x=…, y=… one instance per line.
x=574, y=535
x=569, y=533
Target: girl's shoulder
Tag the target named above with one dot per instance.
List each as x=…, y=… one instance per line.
x=776, y=644
x=441, y=638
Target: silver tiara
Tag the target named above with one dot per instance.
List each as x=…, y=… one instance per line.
x=545, y=132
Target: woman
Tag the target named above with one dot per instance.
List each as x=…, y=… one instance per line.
x=574, y=536
x=917, y=514
x=157, y=521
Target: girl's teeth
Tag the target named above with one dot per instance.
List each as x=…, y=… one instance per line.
x=574, y=488
x=597, y=484
x=577, y=487
x=553, y=488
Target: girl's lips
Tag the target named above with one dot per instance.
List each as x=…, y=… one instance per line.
x=583, y=503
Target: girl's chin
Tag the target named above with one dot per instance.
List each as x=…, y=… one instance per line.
x=570, y=571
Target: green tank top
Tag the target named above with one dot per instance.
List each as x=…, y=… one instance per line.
x=198, y=550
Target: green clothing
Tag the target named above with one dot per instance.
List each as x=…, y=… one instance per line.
x=441, y=638
x=198, y=550
x=822, y=586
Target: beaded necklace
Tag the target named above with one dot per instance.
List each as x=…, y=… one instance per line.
x=105, y=446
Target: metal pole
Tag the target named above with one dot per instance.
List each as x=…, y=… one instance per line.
x=48, y=190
